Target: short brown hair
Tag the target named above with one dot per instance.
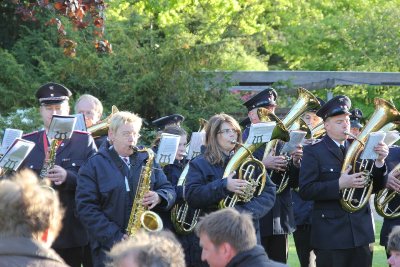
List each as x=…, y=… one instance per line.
x=152, y=250
x=29, y=207
x=230, y=226
x=172, y=129
x=213, y=153
x=394, y=239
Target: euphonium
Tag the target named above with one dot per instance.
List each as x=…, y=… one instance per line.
x=183, y=217
x=318, y=130
x=384, y=197
x=305, y=101
x=384, y=113
x=101, y=128
x=140, y=216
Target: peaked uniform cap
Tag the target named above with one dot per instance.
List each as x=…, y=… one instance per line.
x=336, y=106
x=52, y=93
x=265, y=98
x=163, y=121
x=356, y=118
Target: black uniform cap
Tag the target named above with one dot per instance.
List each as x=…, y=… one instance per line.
x=245, y=122
x=163, y=121
x=355, y=118
x=336, y=106
x=52, y=93
x=265, y=98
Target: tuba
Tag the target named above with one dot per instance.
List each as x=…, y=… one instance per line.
x=140, y=216
x=101, y=128
x=183, y=217
x=305, y=101
x=244, y=161
x=383, y=198
x=352, y=199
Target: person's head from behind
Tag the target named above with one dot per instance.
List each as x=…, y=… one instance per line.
x=148, y=250
x=124, y=132
x=91, y=107
x=32, y=210
x=393, y=247
x=53, y=99
x=221, y=131
x=223, y=234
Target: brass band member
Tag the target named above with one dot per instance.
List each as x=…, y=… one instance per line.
x=70, y=155
x=339, y=238
x=107, y=185
x=205, y=186
x=170, y=120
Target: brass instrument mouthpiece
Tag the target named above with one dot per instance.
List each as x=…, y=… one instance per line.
x=354, y=137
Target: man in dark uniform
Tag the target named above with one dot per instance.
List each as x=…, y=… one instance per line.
x=355, y=121
x=279, y=221
x=163, y=122
x=339, y=238
x=70, y=155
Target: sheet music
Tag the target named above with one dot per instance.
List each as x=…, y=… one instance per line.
x=296, y=138
x=8, y=139
x=80, y=124
x=16, y=154
x=373, y=139
x=61, y=127
x=197, y=140
x=260, y=132
x=391, y=137
x=167, y=149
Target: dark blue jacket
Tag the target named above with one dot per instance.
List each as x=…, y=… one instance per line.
x=70, y=155
x=391, y=161
x=332, y=226
x=280, y=219
x=255, y=257
x=103, y=201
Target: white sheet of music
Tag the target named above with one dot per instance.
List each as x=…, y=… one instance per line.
x=80, y=124
x=167, y=148
x=61, y=127
x=16, y=154
x=260, y=132
x=391, y=137
x=373, y=139
x=197, y=140
x=8, y=139
x=296, y=138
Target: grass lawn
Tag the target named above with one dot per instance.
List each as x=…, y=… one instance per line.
x=379, y=259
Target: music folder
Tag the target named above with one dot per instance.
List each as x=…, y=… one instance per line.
x=391, y=137
x=197, y=140
x=80, y=124
x=373, y=139
x=61, y=127
x=167, y=148
x=16, y=154
x=296, y=138
x=8, y=139
x=260, y=132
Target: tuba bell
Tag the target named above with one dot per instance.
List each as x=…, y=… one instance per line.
x=354, y=199
x=305, y=101
x=384, y=198
x=101, y=128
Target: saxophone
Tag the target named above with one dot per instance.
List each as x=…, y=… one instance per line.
x=140, y=216
x=50, y=162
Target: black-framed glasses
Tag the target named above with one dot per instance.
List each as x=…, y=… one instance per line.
x=228, y=131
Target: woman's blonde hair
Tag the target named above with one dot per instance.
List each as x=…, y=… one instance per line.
x=213, y=153
x=27, y=208
x=123, y=117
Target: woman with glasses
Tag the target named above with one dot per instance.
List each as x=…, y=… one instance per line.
x=205, y=186
x=107, y=185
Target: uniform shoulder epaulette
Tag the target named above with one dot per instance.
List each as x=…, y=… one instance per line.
x=29, y=134
x=81, y=132
x=316, y=141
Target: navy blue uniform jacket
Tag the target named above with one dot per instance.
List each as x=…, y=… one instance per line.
x=391, y=161
x=205, y=188
x=332, y=226
x=70, y=155
x=103, y=201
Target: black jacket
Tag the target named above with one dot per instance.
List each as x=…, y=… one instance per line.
x=70, y=155
x=332, y=226
x=255, y=257
x=103, y=201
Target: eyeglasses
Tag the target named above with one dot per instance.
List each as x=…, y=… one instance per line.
x=228, y=131
x=131, y=134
